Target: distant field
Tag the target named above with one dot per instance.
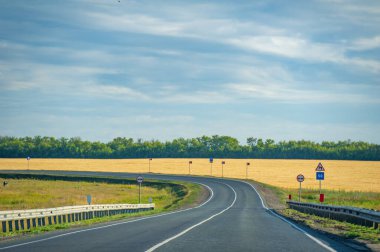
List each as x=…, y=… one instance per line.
x=339, y=175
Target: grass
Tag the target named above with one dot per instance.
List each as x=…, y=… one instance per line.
x=342, y=229
x=369, y=200
x=29, y=194
x=340, y=175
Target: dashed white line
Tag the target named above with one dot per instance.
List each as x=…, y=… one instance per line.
x=194, y=226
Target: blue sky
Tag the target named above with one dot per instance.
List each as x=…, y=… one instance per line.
x=100, y=69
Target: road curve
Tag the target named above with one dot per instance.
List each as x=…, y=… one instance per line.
x=232, y=219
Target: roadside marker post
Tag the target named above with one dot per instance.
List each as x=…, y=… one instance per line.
x=246, y=170
x=190, y=162
x=300, y=179
x=150, y=159
x=211, y=161
x=28, y=158
x=320, y=175
x=139, y=180
x=223, y=163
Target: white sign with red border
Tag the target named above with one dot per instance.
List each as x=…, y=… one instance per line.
x=300, y=178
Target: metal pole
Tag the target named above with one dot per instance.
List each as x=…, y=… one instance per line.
x=28, y=164
x=211, y=169
x=139, y=193
x=149, y=165
x=189, y=168
x=246, y=172
x=299, y=194
x=222, y=171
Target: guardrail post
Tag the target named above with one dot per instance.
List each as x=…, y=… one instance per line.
x=10, y=226
x=4, y=226
x=17, y=226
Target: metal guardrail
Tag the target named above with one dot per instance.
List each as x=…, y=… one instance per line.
x=27, y=219
x=361, y=216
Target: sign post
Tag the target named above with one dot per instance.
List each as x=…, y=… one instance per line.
x=300, y=179
x=320, y=175
x=28, y=158
x=150, y=159
x=211, y=161
x=139, y=180
x=223, y=163
x=190, y=162
x=246, y=170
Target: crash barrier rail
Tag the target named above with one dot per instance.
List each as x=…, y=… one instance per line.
x=27, y=219
x=360, y=216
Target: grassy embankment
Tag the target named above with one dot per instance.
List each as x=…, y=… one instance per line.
x=276, y=198
x=33, y=193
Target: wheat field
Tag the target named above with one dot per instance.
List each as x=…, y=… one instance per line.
x=339, y=175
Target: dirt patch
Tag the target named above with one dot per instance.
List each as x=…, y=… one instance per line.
x=269, y=196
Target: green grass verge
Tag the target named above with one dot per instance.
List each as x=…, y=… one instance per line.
x=182, y=195
x=368, y=200
x=342, y=229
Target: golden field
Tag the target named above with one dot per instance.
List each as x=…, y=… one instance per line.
x=339, y=175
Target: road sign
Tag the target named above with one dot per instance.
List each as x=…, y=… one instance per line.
x=139, y=179
x=223, y=162
x=28, y=158
x=211, y=159
x=300, y=178
x=320, y=175
x=89, y=199
x=320, y=167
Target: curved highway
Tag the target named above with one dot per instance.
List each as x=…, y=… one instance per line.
x=232, y=219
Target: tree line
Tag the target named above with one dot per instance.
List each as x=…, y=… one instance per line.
x=200, y=147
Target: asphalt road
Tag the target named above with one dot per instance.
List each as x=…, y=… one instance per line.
x=232, y=219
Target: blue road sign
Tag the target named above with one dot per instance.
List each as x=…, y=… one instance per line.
x=211, y=159
x=320, y=176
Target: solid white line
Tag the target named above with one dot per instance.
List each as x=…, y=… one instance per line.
x=194, y=226
x=115, y=224
x=289, y=222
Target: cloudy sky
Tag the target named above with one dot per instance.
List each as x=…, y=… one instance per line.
x=100, y=69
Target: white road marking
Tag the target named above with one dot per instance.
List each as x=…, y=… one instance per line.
x=115, y=224
x=194, y=226
x=319, y=242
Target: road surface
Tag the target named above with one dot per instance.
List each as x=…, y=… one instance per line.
x=233, y=218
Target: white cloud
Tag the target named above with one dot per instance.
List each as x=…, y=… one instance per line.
x=288, y=94
x=113, y=92
x=292, y=47
x=365, y=43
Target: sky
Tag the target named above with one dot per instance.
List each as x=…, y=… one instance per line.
x=100, y=69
